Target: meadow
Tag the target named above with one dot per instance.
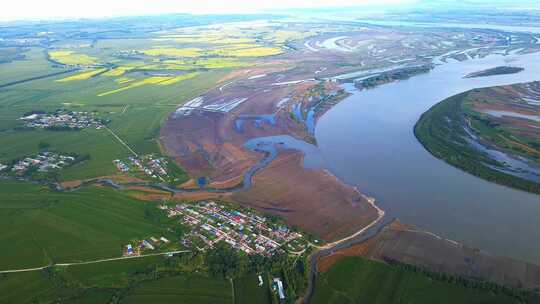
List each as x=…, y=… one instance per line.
x=357, y=280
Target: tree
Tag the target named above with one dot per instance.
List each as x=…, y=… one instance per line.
x=223, y=261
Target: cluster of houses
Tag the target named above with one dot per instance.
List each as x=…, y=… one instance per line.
x=151, y=244
x=148, y=164
x=62, y=119
x=43, y=162
x=243, y=230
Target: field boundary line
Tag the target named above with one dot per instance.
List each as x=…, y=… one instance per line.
x=121, y=141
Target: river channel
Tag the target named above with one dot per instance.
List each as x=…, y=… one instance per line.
x=367, y=140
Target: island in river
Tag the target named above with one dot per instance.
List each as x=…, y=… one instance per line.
x=493, y=133
x=404, y=73
x=500, y=70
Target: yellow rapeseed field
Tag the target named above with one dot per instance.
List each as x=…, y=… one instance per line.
x=119, y=71
x=72, y=58
x=82, y=76
x=176, y=79
x=123, y=80
x=149, y=80
x=154, y=80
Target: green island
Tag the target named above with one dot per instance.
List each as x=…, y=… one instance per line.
x=372, y=81
x=503, y=119
x=501, y=70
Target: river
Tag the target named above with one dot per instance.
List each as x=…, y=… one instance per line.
x=367, y=140
x=484, y=26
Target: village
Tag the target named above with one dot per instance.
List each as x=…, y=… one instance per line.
x=149, y=165
x=243, y=230
x=42, y=162
x=61, y=120
x=209, y=223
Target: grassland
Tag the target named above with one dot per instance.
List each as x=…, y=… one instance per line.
x=356, y=280
x=441, y=131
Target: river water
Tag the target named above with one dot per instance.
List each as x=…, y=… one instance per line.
x=485, y=26
x=367, y=140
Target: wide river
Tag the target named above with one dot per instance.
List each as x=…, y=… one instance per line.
x=367, y=140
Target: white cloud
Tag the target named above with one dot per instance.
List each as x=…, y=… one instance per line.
x=49, y=9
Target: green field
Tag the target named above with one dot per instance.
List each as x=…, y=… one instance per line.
x=42, y=227
x=356, y=280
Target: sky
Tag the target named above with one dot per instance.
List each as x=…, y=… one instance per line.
x=62, y=9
